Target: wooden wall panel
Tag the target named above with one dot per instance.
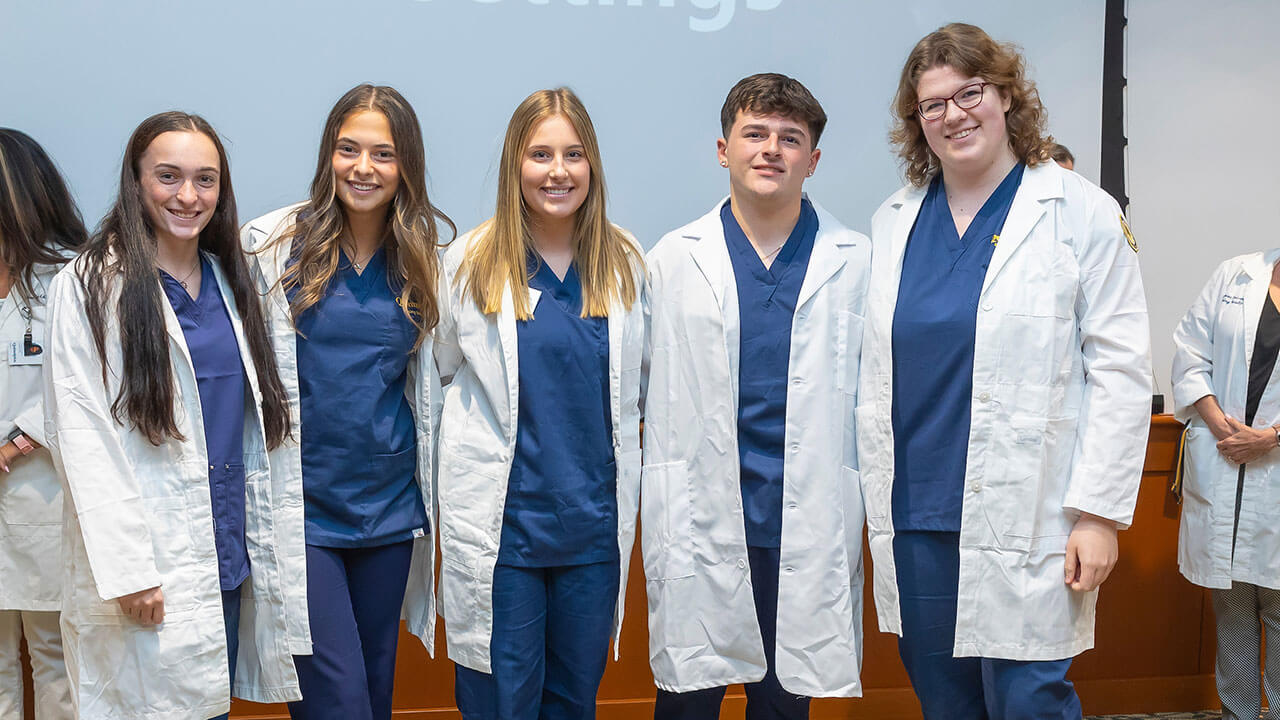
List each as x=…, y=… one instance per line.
x=1154, y=637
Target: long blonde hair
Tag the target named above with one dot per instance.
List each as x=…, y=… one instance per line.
x=412, y=238
x=606, y=259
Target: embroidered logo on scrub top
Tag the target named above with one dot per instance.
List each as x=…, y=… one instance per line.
x=1128, y=234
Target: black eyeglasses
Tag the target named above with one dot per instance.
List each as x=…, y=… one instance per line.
x=966, y=98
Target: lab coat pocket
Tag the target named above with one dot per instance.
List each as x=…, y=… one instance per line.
x=1010, y=490
x=1031, y=340
x=1203, y=466
x=666, y=521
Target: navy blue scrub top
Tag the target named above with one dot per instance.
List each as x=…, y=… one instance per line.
x=562, y=500
x=220, y=381
x=933, y=341
x=359, y=451
x=766, y=304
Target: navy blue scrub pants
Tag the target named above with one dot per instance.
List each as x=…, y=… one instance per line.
x=966, y=688
x=550, y=641
x=231, y=622
x=354, y=597
x=766, y=700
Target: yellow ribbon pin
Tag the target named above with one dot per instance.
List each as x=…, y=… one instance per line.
x=1128, y=234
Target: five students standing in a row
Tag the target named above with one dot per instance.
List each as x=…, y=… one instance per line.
x=310, y=408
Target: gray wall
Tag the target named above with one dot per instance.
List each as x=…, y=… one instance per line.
x=80, y=75
x=1203, y=82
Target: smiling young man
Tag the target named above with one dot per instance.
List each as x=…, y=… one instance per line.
x=751, y=508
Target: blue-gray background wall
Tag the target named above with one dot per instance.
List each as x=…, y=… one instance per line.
x=79, y=76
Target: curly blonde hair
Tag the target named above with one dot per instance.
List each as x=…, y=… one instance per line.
x=969, y=51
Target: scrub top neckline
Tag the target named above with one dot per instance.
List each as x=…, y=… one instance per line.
x=565, y=292
x=1014, y=176
x=775, y=271
x=196, y=313
x=361, y=282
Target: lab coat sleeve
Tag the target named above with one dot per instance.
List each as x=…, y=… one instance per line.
x=104, y=491
x=1192, y=374
x=1115, y=343
x=31, y=420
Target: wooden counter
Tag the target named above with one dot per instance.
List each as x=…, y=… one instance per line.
x=1155, y=639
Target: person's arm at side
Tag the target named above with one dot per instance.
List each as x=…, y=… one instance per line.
x=100, y=480
x=1115, y=410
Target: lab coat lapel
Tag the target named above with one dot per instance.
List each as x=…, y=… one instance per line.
x=711, y=255
x=510, y=360
x=908, y=209
x=825, y=261
x=270, y=262
x=1255, y=294
x=1040, y=185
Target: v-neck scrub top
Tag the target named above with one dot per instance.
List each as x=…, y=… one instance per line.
x=359, y=453
x=766, y=304
x=562, y=500
x=215, y=355
x=933, y=342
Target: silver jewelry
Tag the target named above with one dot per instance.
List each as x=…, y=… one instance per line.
x=185, y=278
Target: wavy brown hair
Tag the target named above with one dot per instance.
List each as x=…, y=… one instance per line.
x=39, y=223
x=970, y=51
x=411, y=239
x=606, y=259
x=123, y=252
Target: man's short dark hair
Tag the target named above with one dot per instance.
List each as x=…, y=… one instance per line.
x=773, y=94
x=1060, y=153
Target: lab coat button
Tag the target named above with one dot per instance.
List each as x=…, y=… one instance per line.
x=984, y=396
x=986, y=306
x=795, y=447
x=976, y=487
x=742, y=564
x=789, y=570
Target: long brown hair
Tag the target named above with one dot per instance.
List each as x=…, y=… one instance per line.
x=123, y=250
x=39, y=223
x=606, y=259
x=412, y=238
x=970, y=51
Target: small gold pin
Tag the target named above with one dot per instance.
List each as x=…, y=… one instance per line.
x=995, y=239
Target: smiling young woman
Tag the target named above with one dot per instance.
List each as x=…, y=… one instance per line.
x=350, y=278
x=164, y=398
x=540, y=342
x=1004, y=391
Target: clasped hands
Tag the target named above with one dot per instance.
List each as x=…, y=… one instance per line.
x=1240, y=443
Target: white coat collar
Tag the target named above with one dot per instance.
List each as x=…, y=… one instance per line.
x=1258, y=265
x=1040, y=185
x=712, y=258
x=268, y=256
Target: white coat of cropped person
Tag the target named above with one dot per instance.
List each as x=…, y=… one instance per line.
x=40, y=229
x=1226, y=392
x=144, y=620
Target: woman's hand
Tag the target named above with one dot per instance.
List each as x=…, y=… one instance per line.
x=1246, y=444
x=145, y=606
x=1216, y=420
x=1092, y=552
x=8, y=453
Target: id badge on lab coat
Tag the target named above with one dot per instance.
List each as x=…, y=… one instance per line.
x=23, y=353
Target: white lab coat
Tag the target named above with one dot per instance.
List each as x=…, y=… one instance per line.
x=139, y=515
x=1060, y=412
x=477, y=356
x=702, y=617
x=267, y=260
x=30, y=494
x=1213, y=346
